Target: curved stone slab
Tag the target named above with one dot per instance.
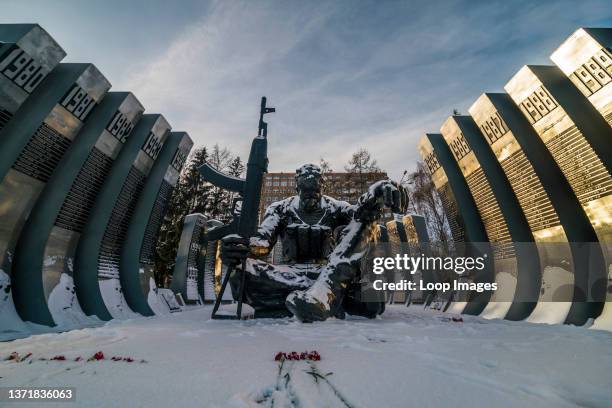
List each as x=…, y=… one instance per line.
x=466, y=223
x=190, y=259
x=137, y=252
x=32, y=145
x=578, y=138
x=109, y=216
x=45, y=249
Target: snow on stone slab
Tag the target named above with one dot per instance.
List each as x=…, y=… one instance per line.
x=112, y=294
x=155, y=300
x=65, y=308
x=407, y=357
x=11, y=325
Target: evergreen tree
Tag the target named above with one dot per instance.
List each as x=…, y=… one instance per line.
x=236, y=169
x=194, y=195
x=196, y=191
x=189, y=196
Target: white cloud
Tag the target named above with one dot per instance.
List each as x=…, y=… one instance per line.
x=341, y=76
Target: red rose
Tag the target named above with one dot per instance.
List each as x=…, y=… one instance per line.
x=98, y=356
x=314, y=356
x=294, y=355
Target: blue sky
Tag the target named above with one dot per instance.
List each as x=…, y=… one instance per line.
x=342, y=74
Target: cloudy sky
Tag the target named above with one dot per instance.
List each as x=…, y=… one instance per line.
x=342, y=74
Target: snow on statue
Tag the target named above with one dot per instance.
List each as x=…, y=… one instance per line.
x=324, y=241
x=5, y=290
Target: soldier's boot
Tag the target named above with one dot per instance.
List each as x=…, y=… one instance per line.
x=324, y=298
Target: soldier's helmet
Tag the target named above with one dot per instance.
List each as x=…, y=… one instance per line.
x=308, y=174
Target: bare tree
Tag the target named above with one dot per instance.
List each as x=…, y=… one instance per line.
x=361, y=163
x=220, y=158
x=220, y=199
x=424, y=200
x=325, y=167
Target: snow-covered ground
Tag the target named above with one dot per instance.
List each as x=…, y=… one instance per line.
x=409, y=357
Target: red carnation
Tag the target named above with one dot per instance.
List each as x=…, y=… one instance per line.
x=314, y=356
x=294, y=355
x=98, y=356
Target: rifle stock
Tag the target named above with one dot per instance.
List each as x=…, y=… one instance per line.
x=214, y=176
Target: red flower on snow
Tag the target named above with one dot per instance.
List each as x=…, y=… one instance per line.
x=314, y=356
x=98, y=356
x=295, y=356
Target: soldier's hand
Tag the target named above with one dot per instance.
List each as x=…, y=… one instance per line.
x=234, y=249
x=391, y=195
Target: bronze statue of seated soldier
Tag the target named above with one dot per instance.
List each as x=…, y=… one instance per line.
x=324, y=241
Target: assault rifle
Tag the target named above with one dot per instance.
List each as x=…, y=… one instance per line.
x=246, y=206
